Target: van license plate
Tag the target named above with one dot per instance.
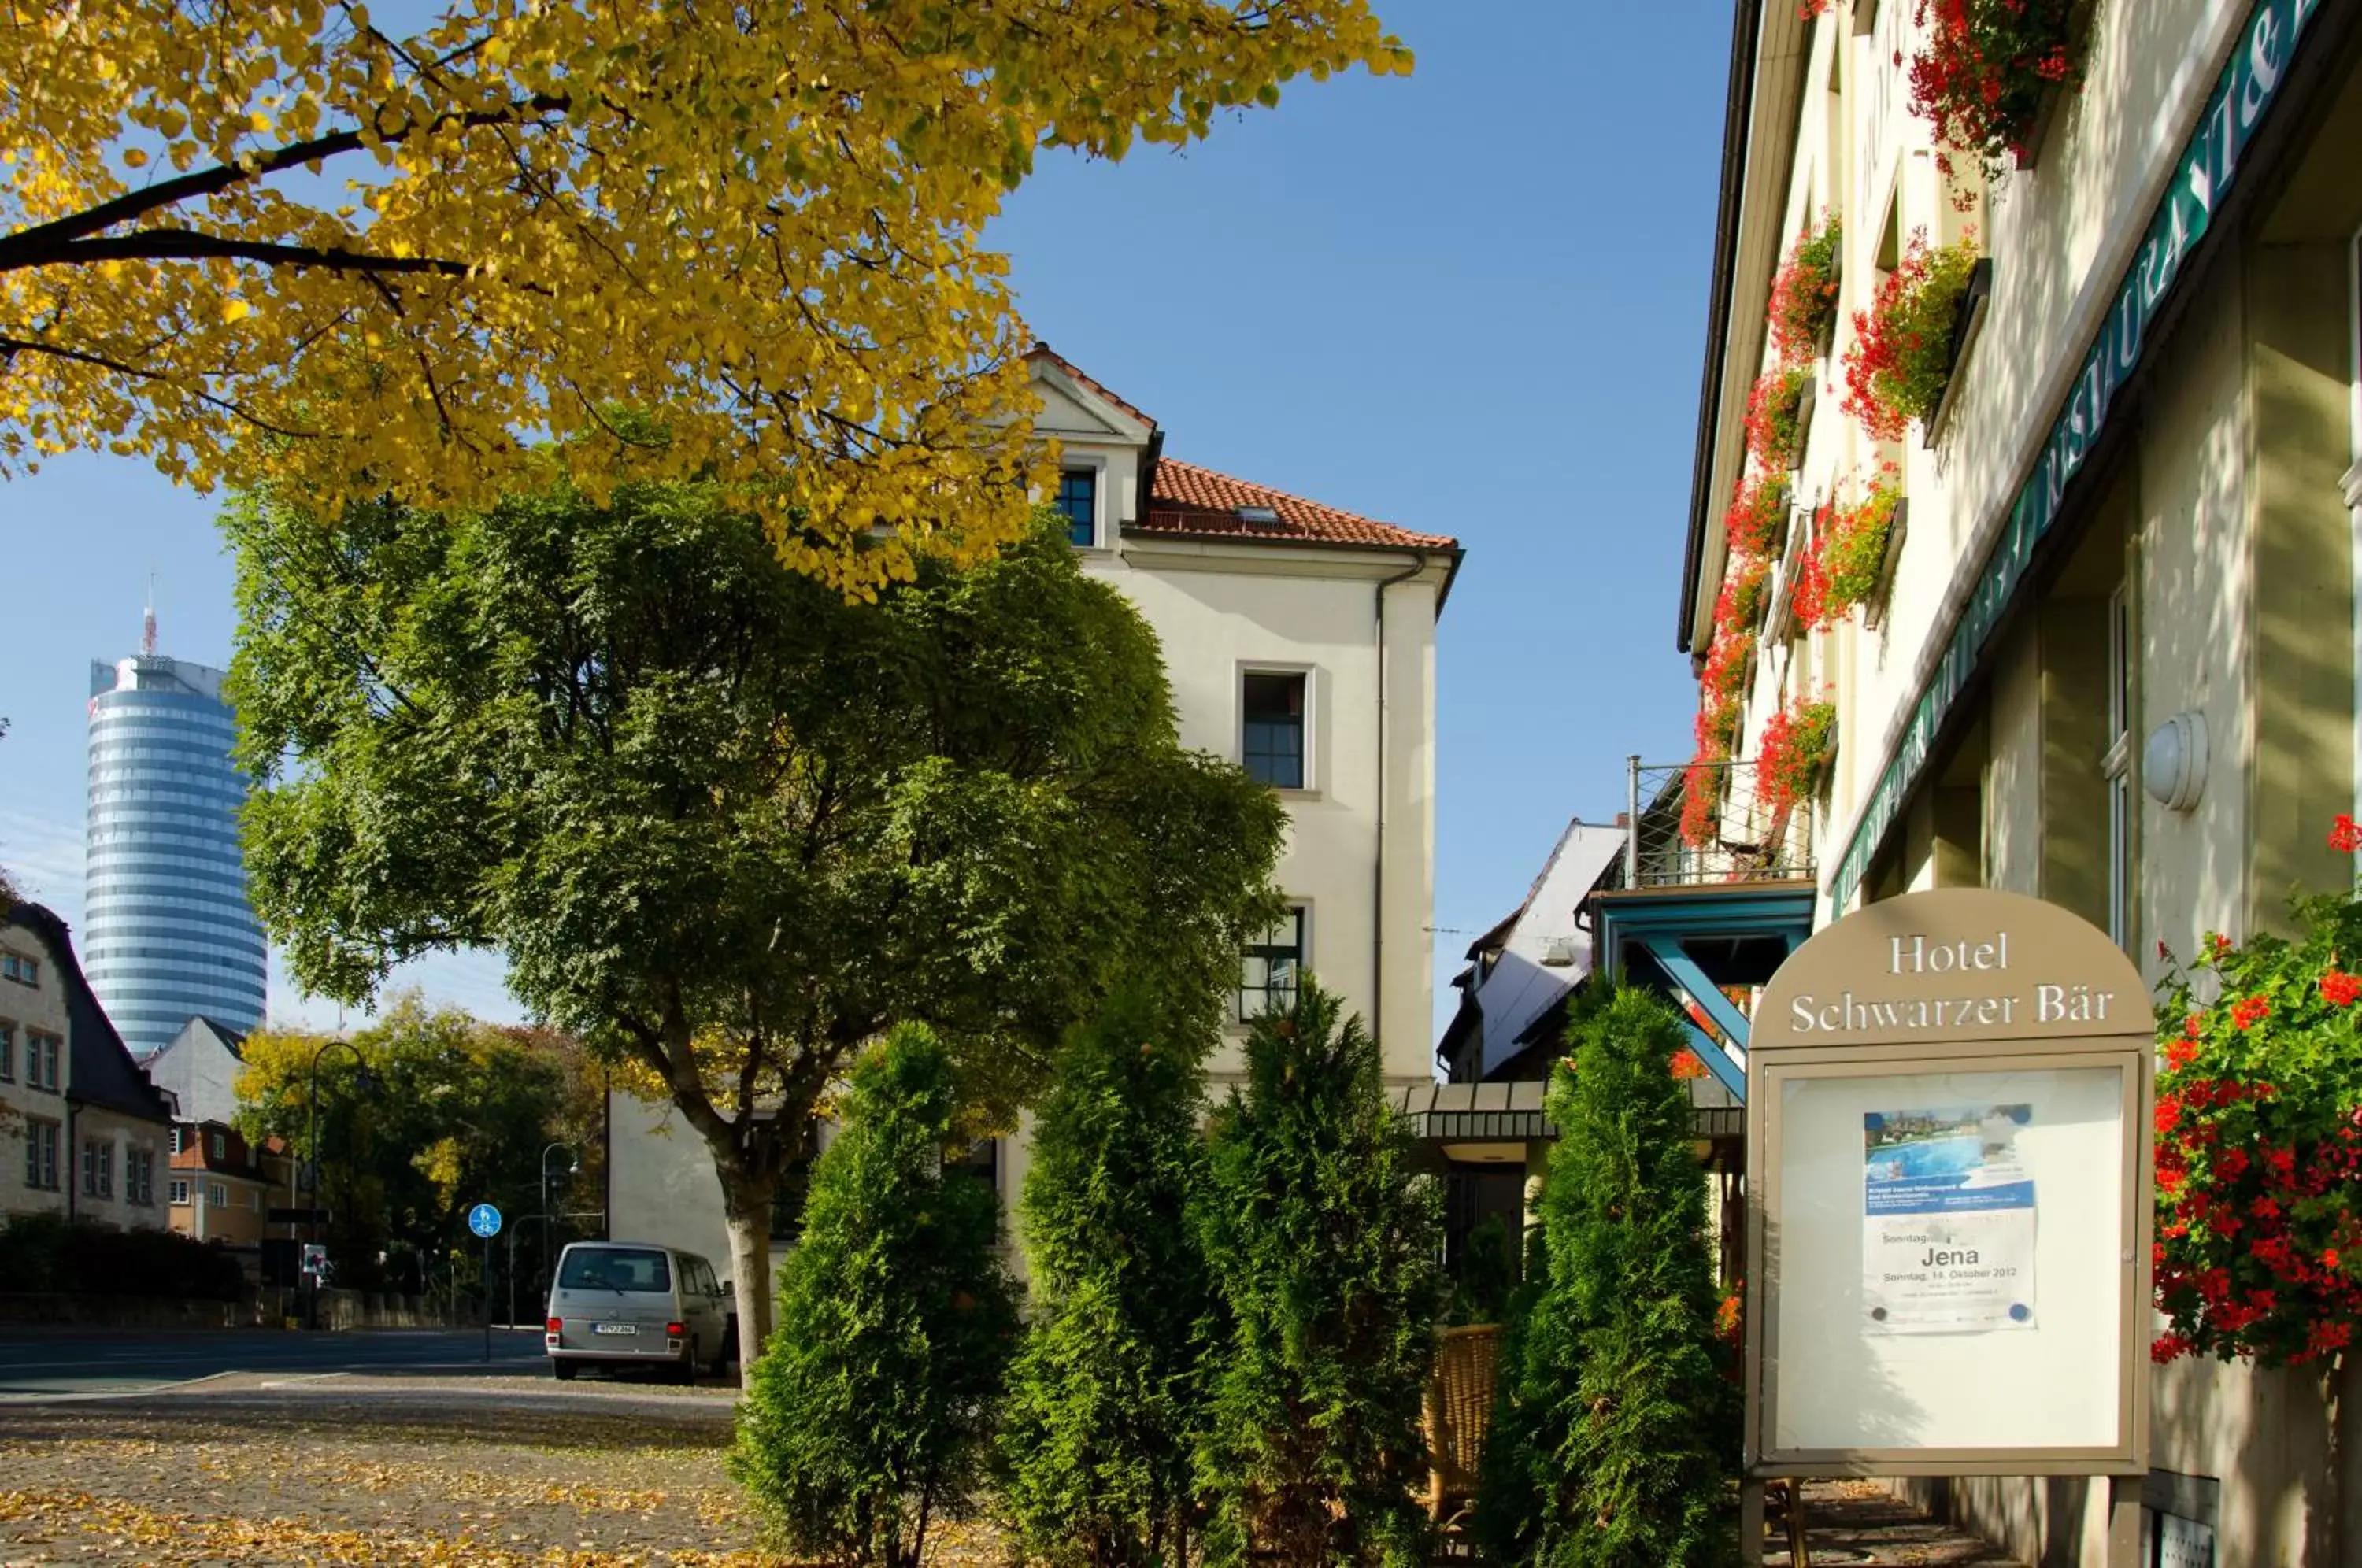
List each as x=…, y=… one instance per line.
x=614, y=1328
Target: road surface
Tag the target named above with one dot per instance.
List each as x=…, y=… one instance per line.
x=47, y=1363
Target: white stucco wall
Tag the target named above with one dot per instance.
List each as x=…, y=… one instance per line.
x=2060, y=236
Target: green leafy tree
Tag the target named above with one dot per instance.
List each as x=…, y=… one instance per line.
x=1324, y=1242
x=1621, y=1436
x=727, y=826
x=1108, y=1391
x=869, y=1417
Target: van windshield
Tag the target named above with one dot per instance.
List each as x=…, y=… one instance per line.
x=631, y=1269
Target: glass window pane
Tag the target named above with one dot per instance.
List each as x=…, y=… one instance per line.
x=1078, y=490
x=1273, y=734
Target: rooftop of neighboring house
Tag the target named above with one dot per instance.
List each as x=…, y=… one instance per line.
x=218, y=1149
x=1188, y=500
x=1521, y=972
x=101, y=1073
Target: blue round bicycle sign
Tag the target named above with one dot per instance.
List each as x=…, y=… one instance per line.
x=484, y=1220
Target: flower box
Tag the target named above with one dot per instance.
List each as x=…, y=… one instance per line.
x=1806, y=405
x=1989, y=71
x=1791, y=761
x=1968, y=320
x=1803, y=309
x=1899, y=364
x=1873, y=611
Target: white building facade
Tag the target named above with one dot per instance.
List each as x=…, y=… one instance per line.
x=1299, y=642
x=2109, y=654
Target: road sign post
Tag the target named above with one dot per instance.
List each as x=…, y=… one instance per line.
x=485, y=1221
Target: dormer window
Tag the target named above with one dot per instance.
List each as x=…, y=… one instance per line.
x=1079, y=498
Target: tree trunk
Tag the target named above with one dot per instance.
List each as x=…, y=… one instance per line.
x=747, y=1211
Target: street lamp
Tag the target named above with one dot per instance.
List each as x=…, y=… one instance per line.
x=312, y=1141
x=573, y=1167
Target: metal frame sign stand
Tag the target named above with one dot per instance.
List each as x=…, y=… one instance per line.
x=1949, y=1203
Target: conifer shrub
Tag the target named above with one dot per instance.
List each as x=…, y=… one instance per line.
x=1323, y=1241
x=1616, y=1440
x=1108, y=1394
x=867, y=1418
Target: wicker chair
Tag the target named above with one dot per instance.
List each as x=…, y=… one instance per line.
x=1459, y=1408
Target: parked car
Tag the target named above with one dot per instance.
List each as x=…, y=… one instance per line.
x=617, y=1304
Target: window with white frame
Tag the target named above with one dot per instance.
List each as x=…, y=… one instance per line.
x=17, y=967
x=42, y=1154
x=41, y=1052
x=216, y=1195
x=1269, y=966
x=1273, y=705
x=98, y=1168
x=177, y=1192
x=1079, y=498
x=180, y=1138
x=140, y=1176
x=2118, y=765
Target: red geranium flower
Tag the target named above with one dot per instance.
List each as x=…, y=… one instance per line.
x=2250, y=1013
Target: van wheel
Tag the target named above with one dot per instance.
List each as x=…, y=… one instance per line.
x=563, y=1369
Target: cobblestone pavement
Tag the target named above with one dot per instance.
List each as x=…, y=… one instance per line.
x=265, y=1471
x=1861, y=1522
x=497, y=1473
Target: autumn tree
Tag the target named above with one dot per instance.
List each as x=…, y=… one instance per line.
x=430, y=1111
x=726, y=826
x=279, y=240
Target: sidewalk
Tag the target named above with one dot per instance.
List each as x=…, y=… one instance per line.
x=1860, y=1522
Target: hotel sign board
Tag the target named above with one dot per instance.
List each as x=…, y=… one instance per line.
x=2244, y=92
x=1948, y=1165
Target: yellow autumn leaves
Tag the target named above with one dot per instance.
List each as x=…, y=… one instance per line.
x=291, y=246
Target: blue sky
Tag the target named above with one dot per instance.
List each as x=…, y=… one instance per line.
x=1470, y=302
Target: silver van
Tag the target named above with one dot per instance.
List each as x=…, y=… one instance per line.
x=617, y=1304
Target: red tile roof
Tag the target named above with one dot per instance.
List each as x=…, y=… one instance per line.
x=1043, y=351
x=1191, y=501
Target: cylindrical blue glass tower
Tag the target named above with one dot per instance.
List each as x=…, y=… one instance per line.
x=167, y=931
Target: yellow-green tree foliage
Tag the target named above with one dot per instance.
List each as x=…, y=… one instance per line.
x=274, y=239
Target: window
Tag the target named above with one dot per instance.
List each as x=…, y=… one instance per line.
x=140, y=1176
x=7, y=1053
x=180, y=1136
x=17, y=967
x=216, y=1195
x=1079, y=498
x=41, y=1154
x=635, y=1270
x=2118, y=766
x=41, y=1061
x=97, y=1168
x=1273, y=737
x=1268, y=968
x=221, y=1147
x=177, y=1192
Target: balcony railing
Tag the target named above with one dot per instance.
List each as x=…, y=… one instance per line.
x=1743, y=837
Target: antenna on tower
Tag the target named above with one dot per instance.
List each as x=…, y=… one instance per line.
x=148, y=621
